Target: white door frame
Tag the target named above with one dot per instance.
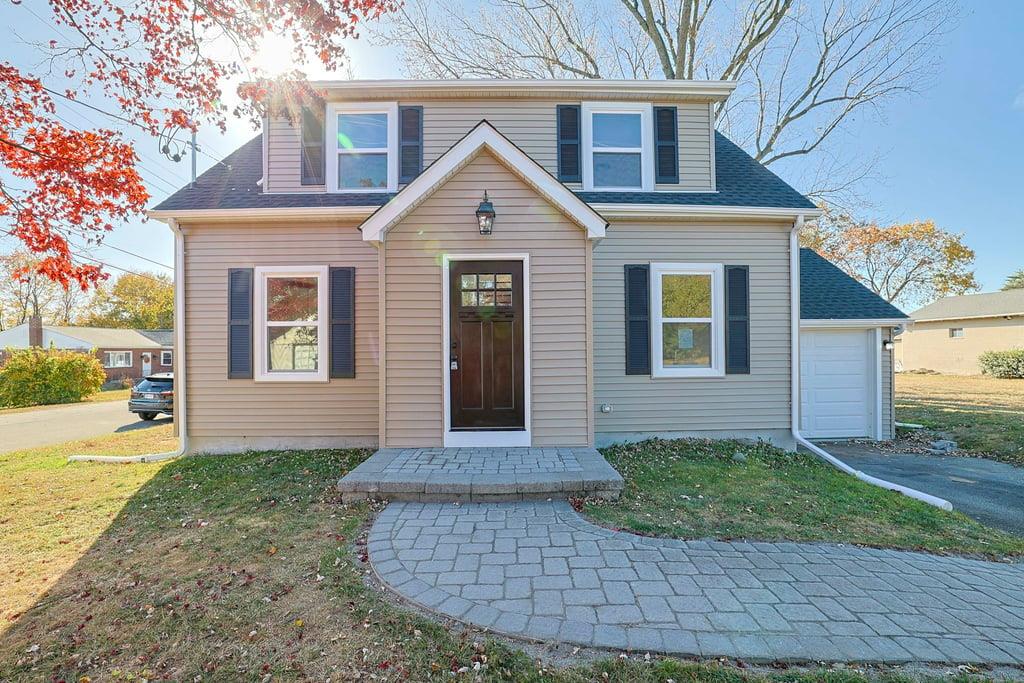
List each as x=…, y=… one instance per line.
x=874, y=359
x=483, y=438
x=147, y=363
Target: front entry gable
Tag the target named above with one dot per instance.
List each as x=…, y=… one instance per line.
x=483, y=137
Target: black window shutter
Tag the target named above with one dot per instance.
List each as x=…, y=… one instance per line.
x=568, y=116
x=737, y=320
x=638, y=320
x=410, y=143
x=343, y=322
x=240, y=323
x=666, y=144
x=313, y=154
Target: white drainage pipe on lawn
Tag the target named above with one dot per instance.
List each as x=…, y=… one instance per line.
x=179, y=365
x=794, y=287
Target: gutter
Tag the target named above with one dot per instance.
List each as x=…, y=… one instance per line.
x=180, y=412
x=794, y=285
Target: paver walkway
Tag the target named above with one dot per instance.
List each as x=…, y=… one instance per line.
x=538, y=570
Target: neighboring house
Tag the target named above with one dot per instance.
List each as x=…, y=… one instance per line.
x=125, y=354
x=948, y=336
x=505, y=263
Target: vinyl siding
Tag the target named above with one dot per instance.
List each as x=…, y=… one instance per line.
x=525, y=223
x=928, y=346
x=888, y=402
x=219, y=407
x=758, y=401
x=530, y=124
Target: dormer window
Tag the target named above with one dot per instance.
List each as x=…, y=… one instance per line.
x=617, y=146
x=362, y=142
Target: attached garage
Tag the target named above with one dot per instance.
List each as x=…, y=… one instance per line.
x=840, y=385
x=846, y=369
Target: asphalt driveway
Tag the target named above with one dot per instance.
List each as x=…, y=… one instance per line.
x=52, y=425
x=989, y=491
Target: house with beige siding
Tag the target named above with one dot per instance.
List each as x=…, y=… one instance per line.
x=949, y=335
x=511, y=263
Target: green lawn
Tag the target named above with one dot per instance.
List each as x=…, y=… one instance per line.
x=695, y=489
x=984, y=415
x=232, y=568
x=98, y=397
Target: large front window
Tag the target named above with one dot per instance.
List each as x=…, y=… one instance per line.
x=687, y=320
x=364, y=142
x=290, y=305
x=117, y=359
x=617, y=140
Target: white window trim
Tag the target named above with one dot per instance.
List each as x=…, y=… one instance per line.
x=717, y=273
x=263, y=374
x=107, y=359
x=169, y=355
x=646, y=143
x=953, y=333
x=331, y=136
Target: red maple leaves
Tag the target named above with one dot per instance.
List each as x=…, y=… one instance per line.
x=160, y=66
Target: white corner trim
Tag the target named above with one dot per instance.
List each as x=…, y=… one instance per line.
x=483, y=136
x=810, y=323
x=876, y=338
x=711, y=142
x=497, y=439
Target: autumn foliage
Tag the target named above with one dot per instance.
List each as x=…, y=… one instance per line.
x=158, y=66
x=907, y=263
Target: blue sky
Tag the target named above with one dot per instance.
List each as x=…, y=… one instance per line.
x=955, y=154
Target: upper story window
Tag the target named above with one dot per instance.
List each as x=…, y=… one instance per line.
x=362, y=143
x=291, y=335
x=617, y=146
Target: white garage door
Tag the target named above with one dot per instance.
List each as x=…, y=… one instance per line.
x=836, y=383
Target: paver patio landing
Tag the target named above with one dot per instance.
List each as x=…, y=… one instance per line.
x=539, y=571
x=481, y=474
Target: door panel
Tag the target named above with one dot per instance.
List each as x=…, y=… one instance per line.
x=486, y=354
x=836, y=384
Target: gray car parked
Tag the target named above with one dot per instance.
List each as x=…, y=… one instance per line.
x=153, y=395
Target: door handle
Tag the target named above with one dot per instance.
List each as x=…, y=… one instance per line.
x=454, y=363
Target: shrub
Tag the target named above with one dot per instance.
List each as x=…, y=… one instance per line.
x=1003, y=364
x=37, y=377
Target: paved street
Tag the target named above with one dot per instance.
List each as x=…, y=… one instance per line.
x=540, y=571
x=990, y=492
x=58, y=424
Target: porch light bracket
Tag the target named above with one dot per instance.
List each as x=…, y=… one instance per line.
x=485, y=216
x=888, y=345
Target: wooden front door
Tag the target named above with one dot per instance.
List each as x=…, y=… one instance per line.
x=486, y=353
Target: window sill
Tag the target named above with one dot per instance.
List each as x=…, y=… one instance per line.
x=710, y=373
x=295, y=378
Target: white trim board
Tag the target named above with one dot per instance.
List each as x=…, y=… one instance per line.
x=483, y=136
x=484, y=439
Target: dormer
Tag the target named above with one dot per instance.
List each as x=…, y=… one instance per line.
x=596, y=136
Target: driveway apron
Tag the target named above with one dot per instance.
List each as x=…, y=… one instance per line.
x=539, y=571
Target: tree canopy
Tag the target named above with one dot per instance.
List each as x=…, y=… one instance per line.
x=161, y=65
x=904, y=263
x=137, y=301
x=1014, y=281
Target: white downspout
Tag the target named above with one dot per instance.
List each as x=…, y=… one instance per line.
x=180, y=414
x=794, y=286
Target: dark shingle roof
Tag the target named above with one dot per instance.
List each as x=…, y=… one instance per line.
x=163, y=337
x=827, y=293
x=232, y=184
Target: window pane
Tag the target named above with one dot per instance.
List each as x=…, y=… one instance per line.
x=291, y=298
x=686, y=345
x=360, y=131
x=686, y=296
x=360, y=171
x=486, y=281
x=504, y=298
x=504, y=280
x=486, y=298
x=469, y=281
x=469, y=298
x=292, y=349
x=617, y=170
x=616, y=130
